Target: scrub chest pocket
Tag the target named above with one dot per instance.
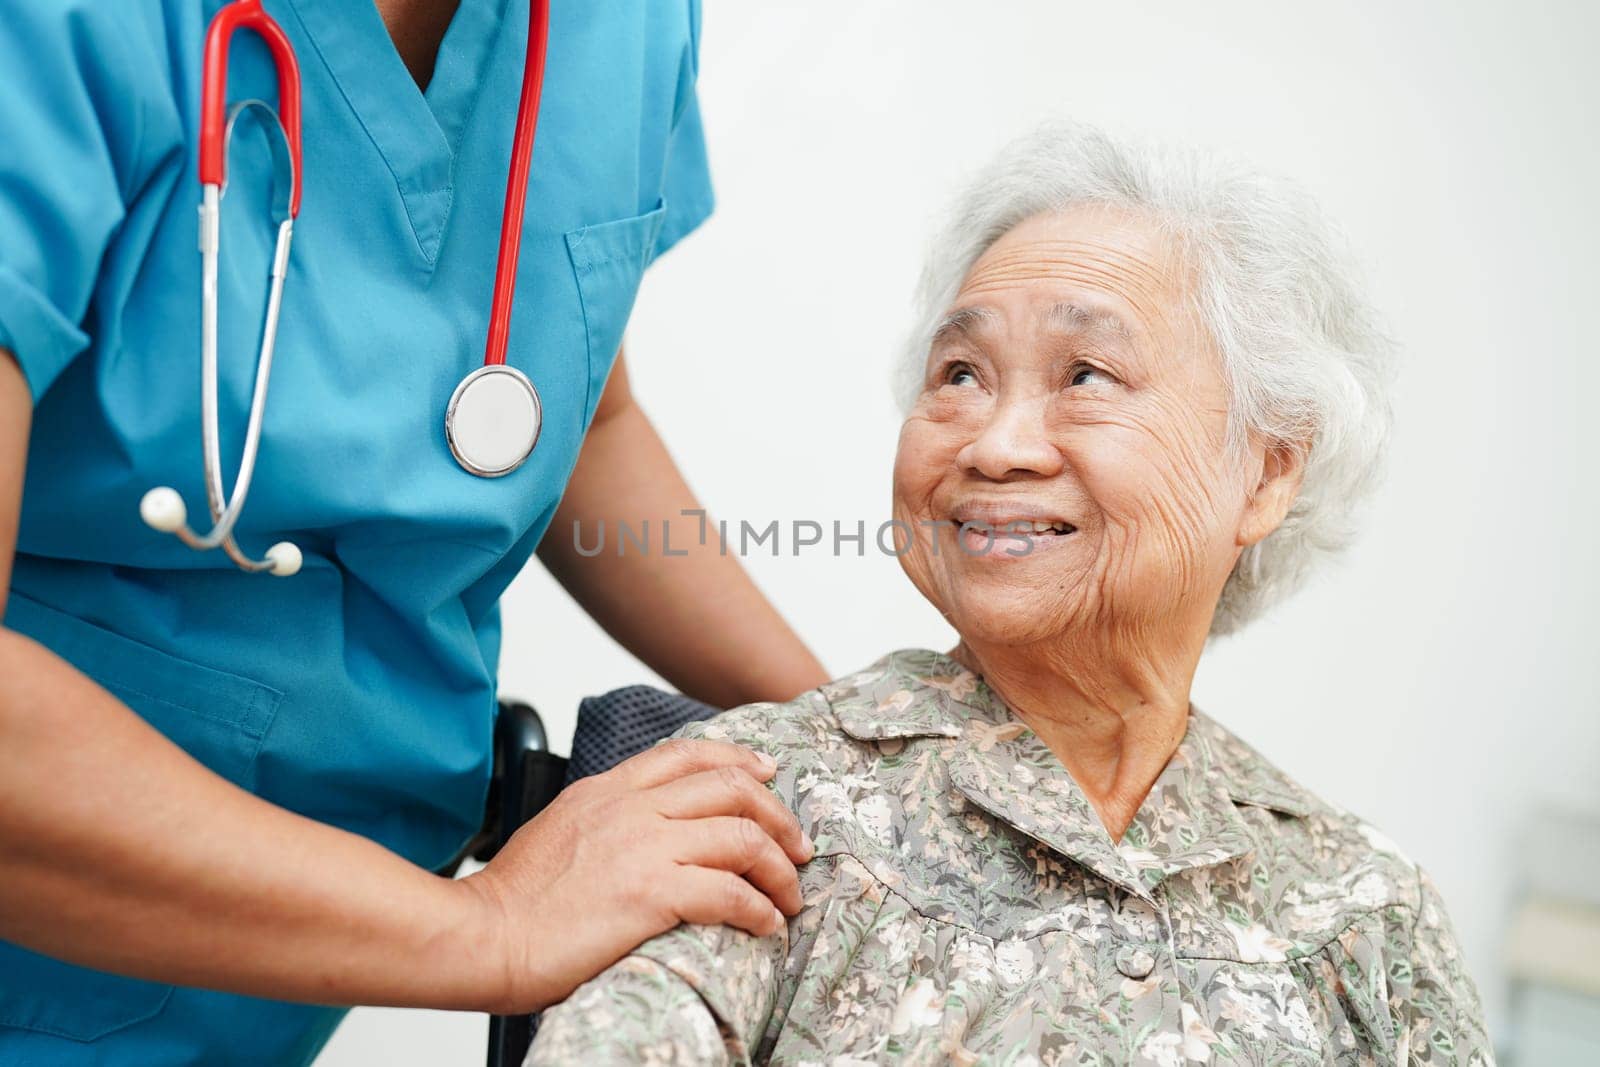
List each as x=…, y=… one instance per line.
x=217, y=717
x=608, y=260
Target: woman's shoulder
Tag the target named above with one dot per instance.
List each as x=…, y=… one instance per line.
x=831, y=741
x=803, y=729
x=904, y=694
x=1326, y=849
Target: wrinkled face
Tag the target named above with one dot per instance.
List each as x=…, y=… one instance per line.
x=1073, y=402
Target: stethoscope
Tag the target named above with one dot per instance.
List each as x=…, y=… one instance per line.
x=493, y=418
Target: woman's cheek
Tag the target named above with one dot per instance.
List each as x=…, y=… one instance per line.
x=917, y=473
x=1153, y=513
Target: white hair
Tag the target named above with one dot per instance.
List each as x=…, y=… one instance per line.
x=1302, y=353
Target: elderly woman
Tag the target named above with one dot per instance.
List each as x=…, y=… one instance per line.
x=1146, y=396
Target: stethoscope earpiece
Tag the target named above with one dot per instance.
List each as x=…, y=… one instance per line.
x=285, y=559
x=163, y=509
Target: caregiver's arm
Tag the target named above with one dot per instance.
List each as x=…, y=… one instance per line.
x=123, y=853
x=697, y=619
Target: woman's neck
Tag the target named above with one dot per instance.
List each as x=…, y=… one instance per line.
x=1113, y=716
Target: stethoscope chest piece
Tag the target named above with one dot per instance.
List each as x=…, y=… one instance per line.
x=493, y=420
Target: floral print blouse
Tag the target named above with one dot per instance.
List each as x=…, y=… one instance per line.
x=965, y=905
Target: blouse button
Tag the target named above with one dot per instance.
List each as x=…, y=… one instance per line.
x=1134, y=962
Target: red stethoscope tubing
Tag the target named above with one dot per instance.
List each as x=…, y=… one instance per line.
x=245, y=14
x=505, y=271
x=502, y=411
x=248, y=14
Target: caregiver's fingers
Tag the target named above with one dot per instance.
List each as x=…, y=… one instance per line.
x=711, y=897
x=679, y=757
x=730, y=791
x=741, y=847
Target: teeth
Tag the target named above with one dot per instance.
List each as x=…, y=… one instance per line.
x=1022, y=526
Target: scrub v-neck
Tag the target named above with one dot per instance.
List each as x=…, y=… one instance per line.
x=416, y=133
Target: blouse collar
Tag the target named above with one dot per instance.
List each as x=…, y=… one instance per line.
x=1190, y=818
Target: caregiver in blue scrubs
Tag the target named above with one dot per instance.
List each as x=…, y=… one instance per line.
x=222, y=794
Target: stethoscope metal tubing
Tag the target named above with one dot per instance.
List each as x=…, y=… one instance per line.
x=225, y=505
x=225, y=515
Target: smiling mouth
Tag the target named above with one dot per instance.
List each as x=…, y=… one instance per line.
x=1012, y=538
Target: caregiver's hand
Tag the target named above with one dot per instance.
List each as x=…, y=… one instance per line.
x=682, y=833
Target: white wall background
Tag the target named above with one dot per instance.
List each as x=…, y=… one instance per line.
x=1443, y=680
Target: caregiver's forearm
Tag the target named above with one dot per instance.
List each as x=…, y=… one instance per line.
x=121, y=852
x=697, y=618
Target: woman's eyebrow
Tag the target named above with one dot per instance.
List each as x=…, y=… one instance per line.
x=1077, y=319
x=966, y=321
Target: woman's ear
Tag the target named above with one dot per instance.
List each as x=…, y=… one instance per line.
x=1283, y=468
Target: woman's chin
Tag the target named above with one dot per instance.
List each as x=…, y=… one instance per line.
x=1009, y=616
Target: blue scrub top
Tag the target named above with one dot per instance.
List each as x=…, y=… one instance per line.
x=360, y=692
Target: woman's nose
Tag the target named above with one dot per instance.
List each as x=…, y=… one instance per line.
x=1012, y=441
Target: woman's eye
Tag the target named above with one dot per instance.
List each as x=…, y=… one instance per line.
x=960, y=374
x=1084, y=374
